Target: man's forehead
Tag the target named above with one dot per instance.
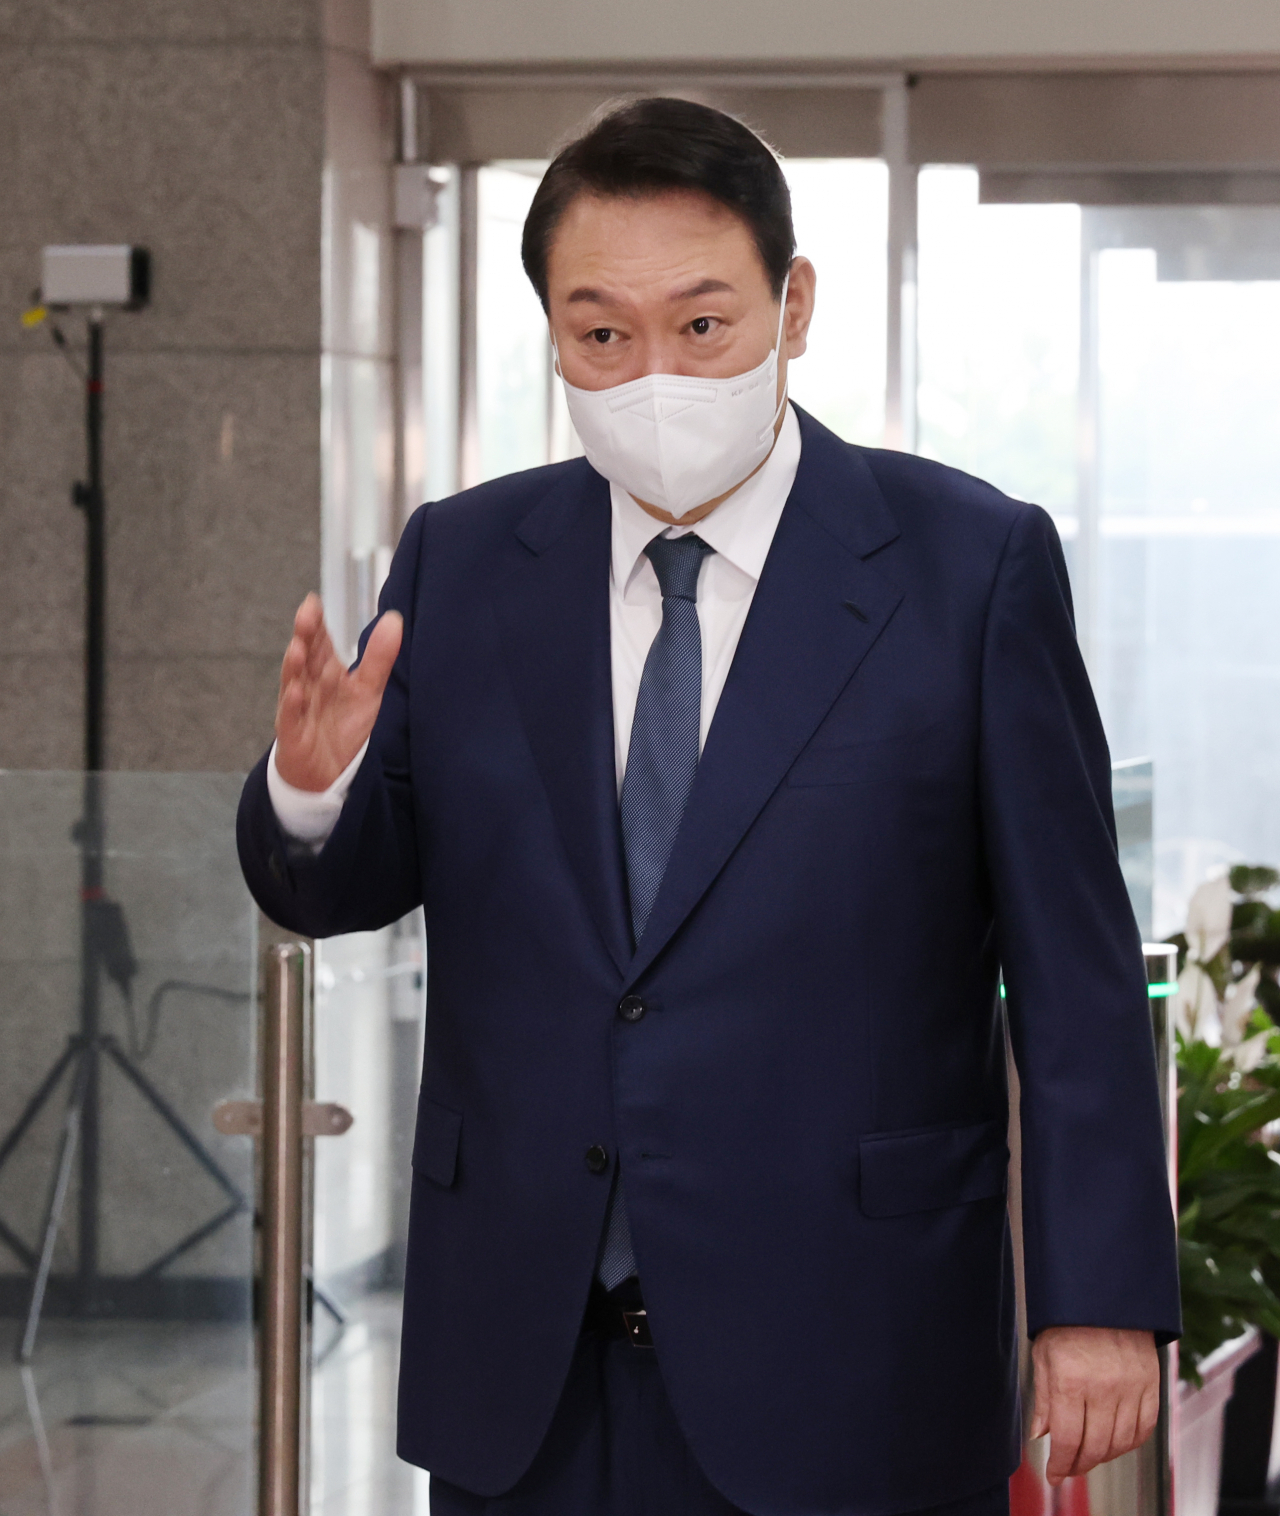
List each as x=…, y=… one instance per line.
x=679, y=245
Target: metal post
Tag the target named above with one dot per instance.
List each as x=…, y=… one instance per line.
x=1084, y=560
x=410, y=451
x=92, y=499
x=1162, y=982
x=900, y=349
x=286, y=972
x=468, y=326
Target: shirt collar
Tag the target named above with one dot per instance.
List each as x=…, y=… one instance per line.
x=740, y=529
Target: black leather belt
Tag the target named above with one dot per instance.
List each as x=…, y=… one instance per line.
x=619, y=1313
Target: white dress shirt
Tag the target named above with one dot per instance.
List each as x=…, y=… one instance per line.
x=740, y=530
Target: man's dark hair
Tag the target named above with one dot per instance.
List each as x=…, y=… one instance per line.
x=648, y=146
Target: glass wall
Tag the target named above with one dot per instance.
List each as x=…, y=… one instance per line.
x=369, y=1010
x=999, y=335
x=127, y=946
x=513, y=360
x=841, y=212
x=1117, y=366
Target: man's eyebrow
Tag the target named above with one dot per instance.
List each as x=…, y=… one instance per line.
x=585, y=294
x=703, y=287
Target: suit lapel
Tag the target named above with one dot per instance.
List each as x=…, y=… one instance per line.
x=817, y=611
x=553, y=609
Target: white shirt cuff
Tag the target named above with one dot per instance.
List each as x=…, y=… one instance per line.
x=309, y=816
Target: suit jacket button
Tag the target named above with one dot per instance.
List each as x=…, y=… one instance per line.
x=597, y=1158
x=631, y=1008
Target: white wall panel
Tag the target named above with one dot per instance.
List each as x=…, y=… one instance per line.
x=825, y=31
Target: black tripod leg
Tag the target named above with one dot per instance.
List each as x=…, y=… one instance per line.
x=328, y=1303
x=36, y=1103
x=15, y=1134
x=53, y=1218
x=191, y=1240
x=175, y=1122
x=17, y=1247
x=38, y=1431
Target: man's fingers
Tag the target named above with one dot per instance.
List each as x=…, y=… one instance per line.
x=309, y=617
x=292, y=710
x=310, y=631
x=1099, y=1434
x=1135, y=1421
x=1128, y=1433
x=1040, y=1414
x=320, y=652
x=294, y=663
x=1148, y=1412
x=380, y=653
x=1066, y=1431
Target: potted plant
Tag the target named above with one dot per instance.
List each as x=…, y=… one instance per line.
x=1226, y=1013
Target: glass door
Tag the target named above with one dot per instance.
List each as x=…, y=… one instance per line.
x=1180, y=515
x=1117, y=366
x=126, y=1217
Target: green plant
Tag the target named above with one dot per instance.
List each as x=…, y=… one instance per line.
x=1228, y=1197
x=1228, y=1095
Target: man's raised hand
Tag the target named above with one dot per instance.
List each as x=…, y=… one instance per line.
x=325, y=714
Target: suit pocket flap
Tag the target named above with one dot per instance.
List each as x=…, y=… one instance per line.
x=435, y=1143
x=870, y=760
x=926, y=1170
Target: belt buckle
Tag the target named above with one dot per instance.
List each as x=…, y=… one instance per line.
x=637, y=1328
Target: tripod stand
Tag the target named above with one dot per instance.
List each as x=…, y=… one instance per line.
x=105, y=952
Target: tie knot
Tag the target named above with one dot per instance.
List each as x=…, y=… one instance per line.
x=676, y=561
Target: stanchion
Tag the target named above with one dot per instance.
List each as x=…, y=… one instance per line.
x=1162, y=984
x=281, y=1335
x=282, y=1121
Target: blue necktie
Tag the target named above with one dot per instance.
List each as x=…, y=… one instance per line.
x=662, y=759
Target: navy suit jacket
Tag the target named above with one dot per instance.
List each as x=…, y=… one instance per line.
x=905, y=789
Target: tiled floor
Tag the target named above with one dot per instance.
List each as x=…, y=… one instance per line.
x=127, y=1419
x=155, y=1419
x=354, y=1470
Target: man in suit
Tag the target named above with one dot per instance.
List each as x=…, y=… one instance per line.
x=732, y=765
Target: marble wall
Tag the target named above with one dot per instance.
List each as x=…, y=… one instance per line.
x=249, y=458
x=246, y=145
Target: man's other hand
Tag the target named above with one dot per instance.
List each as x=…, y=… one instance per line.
x=1097, y=1393
x=325, y=714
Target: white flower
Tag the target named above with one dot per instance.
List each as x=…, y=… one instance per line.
x=1209, y=919
x=1195, y=1007
x=1247, y=1055
x=1238, y=1007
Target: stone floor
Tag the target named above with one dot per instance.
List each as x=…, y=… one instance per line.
x=156, y=1419
x=354, y=1470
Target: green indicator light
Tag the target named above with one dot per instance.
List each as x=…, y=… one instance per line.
x=1002, y=994
x=1160, y=990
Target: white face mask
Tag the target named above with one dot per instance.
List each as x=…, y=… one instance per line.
x=675, y=441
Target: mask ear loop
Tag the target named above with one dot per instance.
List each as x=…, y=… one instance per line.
x=777, y=347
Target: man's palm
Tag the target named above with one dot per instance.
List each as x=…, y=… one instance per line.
x=325, y=713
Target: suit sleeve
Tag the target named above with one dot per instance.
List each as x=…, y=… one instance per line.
x=1098, y=1229
x=367, y=875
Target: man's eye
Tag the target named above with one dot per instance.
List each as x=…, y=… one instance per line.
x=602, y=334
x=701, y=326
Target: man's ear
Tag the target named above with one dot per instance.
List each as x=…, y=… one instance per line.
x=799, y=313
x=555, y=350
